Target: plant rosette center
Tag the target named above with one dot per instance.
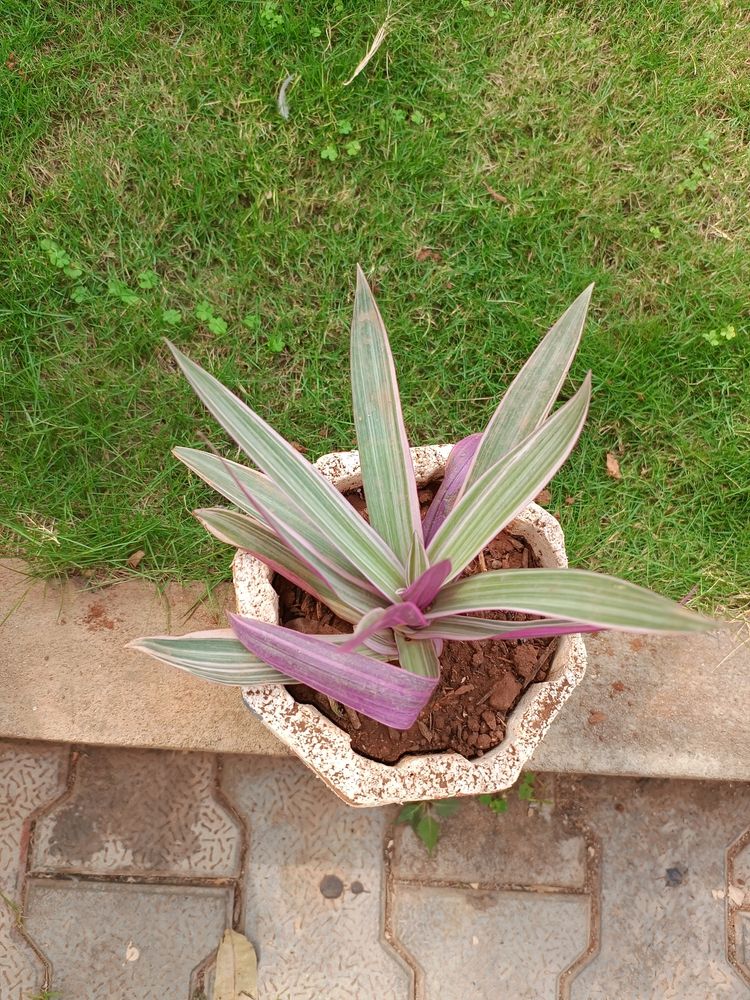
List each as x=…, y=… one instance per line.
x=480, y=683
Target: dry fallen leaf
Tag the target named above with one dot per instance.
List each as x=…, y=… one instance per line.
x=236, y=969
x=596, y=717
x=613, y=466
x=543, y=498
x=427, y=253
x=736, y=894
x=135, y=559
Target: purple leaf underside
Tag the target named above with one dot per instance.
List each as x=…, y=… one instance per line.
x=406, y=613
x=388, y=694
x=425, y=588
x=456, y=470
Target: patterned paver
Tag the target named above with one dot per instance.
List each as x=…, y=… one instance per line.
x=132, y=811
x=505, y=901
x=664, y=887
x=120, y=869
x=314, y=887
x=129, y=942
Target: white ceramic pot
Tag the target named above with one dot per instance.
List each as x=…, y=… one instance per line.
x=326, y=749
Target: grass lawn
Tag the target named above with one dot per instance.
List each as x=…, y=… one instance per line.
x=492, y=160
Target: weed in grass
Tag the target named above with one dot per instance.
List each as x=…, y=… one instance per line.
x=722, y=336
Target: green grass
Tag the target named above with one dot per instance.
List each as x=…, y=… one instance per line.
x=145, y=137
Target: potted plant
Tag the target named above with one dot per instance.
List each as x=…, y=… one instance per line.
x=441, y=640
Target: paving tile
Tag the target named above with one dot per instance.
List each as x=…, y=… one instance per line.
x=140, y=812
x=742, y=866
x=520, y=847
x=612, y=889
x=31, y=775
x=314, y=886
x=125, y=942
x=663, y=893
x=459, y=914
x=490, y=944
x=743, y=941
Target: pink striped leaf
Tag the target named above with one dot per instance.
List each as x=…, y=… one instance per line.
x=387, y=469
x=381, y=691
x=406, y=613
x=427, y=586
x=459, y=627
x=456, y=470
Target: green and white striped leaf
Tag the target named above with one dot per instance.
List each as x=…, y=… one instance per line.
x=416, y=656
x=577, y=594
x=471, y=629
x=532, y=393
x=220, y=657
x=213, y=656
x=294, y=475
x=417, y=562
x=341, y=595
x=387, y=470
x=232, y=480
x=509, y=485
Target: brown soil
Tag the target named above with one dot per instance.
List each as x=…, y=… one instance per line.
x=480, y=682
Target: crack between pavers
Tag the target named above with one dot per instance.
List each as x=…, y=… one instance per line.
x=447, y=883
x=28, y=831
x=388, y=932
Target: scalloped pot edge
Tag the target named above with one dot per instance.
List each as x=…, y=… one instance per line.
x=326, y=749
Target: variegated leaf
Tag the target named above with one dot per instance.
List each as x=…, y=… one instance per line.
x=417, y=656
x=577, y=594
x=236, y=481
x=532, y=393
x=295, y=476
x=348, y=600
x=387, y=470
x=492, y=502
x=379, y=690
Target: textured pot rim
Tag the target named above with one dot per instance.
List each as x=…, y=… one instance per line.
x=326, y=749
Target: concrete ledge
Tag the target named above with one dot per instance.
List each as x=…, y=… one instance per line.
x=671, y=707
x=66, y=677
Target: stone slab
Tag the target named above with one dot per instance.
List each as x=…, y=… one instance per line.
x=666, y=707
x=667, y=903
x=314, y=887
x=66, y=676
x=31, y=776
x=661, y=706
x=130, y=812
